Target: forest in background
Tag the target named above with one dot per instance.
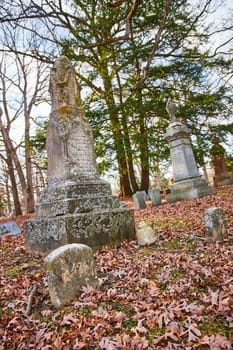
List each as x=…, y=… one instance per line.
x=130, y=57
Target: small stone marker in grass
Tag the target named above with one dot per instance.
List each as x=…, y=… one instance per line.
x=9, y=228
x=68, y=269
x=145, y=234
x=216, y=225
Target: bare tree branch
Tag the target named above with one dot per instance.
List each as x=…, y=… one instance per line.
x=156, y=43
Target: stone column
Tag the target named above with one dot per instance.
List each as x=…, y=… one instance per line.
x=187, y=182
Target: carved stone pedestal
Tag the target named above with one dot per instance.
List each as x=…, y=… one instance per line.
x=72, y=212
x=95, y=229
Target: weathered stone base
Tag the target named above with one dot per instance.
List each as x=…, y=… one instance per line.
x=76, y=205
x=68, y=188
x=189, y=189
x=95, y=229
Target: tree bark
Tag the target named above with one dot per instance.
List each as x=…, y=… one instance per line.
x=144, y=157
x=12, y=158
x=10, y=164
x=127, y=143
x=15, y=193
x=125, y=187
x=132, y=178
x=143, y=149
x=30, y=200
x=9, y=207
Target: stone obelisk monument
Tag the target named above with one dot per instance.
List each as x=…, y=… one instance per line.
x=187, y=182
x=76, y=206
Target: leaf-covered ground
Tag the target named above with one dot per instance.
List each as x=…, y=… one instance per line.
x=174, y=294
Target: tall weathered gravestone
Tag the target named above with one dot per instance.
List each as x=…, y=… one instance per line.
x=187, y=182
x=77, y=206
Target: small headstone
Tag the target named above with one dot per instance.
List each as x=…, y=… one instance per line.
x=9, y=228
x=145, y=234
x=68, y=269
x=216, y=225
x=155, y=197
x=139, y=200
x=146, y=196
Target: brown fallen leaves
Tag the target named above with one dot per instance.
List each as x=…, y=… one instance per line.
x=174, y=294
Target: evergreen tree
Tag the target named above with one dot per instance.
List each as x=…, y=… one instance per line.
x=130, y=57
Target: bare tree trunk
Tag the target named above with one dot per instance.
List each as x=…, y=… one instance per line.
x=29, y=78
x=15, y=193
x=8, y=197
x=12, y=157
x=10, y=164
x=30, y=200
x=36, y=186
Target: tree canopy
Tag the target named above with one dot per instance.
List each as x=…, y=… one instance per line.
x=130, y=57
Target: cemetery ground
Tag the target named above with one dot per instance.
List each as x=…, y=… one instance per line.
x=174, y=294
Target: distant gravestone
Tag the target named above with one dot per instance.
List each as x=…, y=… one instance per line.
x=145, y=234
x=146, y=196
x=68, y=269
x=9, y=228
x=139, y=200
x=216, y=225
x=155, y=197
x=221, y=176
